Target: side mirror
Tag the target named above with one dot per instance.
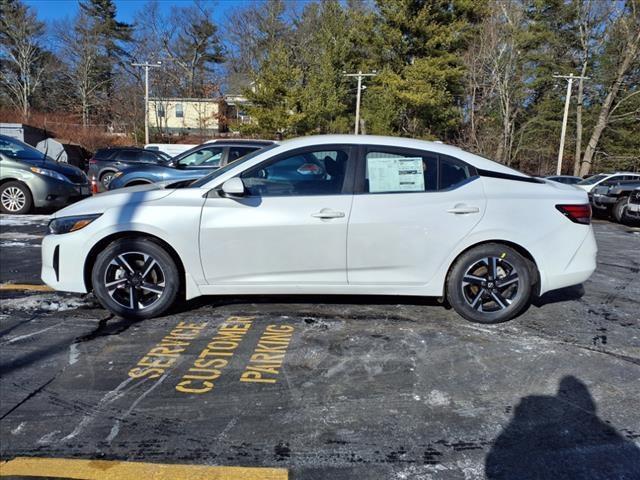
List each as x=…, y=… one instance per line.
x=233, y=187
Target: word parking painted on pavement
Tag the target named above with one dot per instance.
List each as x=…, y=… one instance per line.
x=209, y=364
x=167, y=351
x=269, y=354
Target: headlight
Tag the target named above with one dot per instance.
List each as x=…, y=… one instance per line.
x=50, y=173
x=70, y=224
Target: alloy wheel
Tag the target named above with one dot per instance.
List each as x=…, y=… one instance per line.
x=134, y=280
x=13, y=199
x=490, y=284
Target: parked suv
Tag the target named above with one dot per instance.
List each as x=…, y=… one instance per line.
x=29, y=178
x=606, y=180
x=633, y=207
x=612, y=200
x=190, y=165
x=107, y=161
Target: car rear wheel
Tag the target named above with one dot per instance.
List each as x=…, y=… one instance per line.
x=135, y=278
x=106, y=178
x=490, y=283
x=619, y=208
x=15, y=198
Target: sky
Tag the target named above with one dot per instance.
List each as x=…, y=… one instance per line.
x=48, y=10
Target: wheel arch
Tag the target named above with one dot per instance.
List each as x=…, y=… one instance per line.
x=533, y=265
x=138, y=181
x=90, y=260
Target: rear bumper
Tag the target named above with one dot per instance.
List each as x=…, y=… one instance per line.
x=579, y=268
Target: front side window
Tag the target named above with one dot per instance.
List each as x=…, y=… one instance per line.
x=148, y=157
x=319, y=172
x=179, y=110
x=204, y=158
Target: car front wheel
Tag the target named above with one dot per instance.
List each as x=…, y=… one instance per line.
x=490, y=283
x=135, y=278
x=619, y=208
x=15, y=198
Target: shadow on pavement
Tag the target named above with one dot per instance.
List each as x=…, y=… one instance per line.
x=561, y=437
x=575, y=292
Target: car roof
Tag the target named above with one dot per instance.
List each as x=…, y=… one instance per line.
x=403, y=142
x=241, y=141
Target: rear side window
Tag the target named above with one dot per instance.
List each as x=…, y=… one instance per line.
x=392, y=172
x=452, y=172
x=236, y=152
x=103, y=154
x=127, y=156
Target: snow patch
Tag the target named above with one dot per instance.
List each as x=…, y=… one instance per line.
x=17, y=244
x=436, y=398
x=46, y=302
x=22, y=220
x=19, y=236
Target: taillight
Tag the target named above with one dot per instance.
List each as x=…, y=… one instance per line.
x=93, y=161
x=576, y=213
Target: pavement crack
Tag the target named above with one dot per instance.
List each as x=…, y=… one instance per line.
x=30, y=396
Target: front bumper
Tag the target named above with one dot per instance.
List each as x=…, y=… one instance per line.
x=49, y=192
x=63, y=262
x=602, y=202
x=633, y=210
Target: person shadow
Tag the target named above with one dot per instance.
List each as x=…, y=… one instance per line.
x=561, y=437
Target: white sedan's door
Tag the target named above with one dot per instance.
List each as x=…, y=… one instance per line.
x=413, y=209
x=289, y=228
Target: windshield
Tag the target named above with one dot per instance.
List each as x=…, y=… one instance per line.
x=220, y=171
x=12, y=148
x=592, y=180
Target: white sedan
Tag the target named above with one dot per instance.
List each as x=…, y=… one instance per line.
x=334, y=214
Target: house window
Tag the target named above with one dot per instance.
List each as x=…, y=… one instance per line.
x=160, y=110
x=179, y=111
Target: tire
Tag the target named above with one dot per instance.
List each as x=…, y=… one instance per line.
x=105, y=179
x=617, y=212
x=15, y=198
x=135, y=294
x=477, y=296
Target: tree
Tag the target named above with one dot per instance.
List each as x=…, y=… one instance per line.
x=621, y=57
x=22, y=58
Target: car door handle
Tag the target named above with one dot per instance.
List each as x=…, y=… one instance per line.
x=328, y=213
x=463, y=209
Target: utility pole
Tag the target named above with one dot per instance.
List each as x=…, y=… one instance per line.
x=359, y=76
x=146, y=67
x=569, y=78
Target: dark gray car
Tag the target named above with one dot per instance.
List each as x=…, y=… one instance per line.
x=28, y=179
x=107, y=161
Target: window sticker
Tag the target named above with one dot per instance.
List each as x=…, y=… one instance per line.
x=405, y=174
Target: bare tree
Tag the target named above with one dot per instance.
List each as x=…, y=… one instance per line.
x=22, y=62
x=79, y=46
x=627, y=28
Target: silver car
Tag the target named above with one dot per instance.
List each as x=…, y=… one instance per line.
x=29, y=179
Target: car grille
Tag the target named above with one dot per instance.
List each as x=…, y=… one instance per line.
x=79, y=178
x=635, y=197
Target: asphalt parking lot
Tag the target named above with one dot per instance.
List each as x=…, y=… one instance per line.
x=328, y=387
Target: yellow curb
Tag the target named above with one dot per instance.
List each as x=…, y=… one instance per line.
x=25, y=287
x=117, y=470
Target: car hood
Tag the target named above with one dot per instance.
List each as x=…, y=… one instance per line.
x=72, y=173
x=115, y=199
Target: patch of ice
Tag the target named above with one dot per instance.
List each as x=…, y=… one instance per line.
x=47, y=302
x=22, y=220
x=19, y=236
x=18, y=244
x=437, y=398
